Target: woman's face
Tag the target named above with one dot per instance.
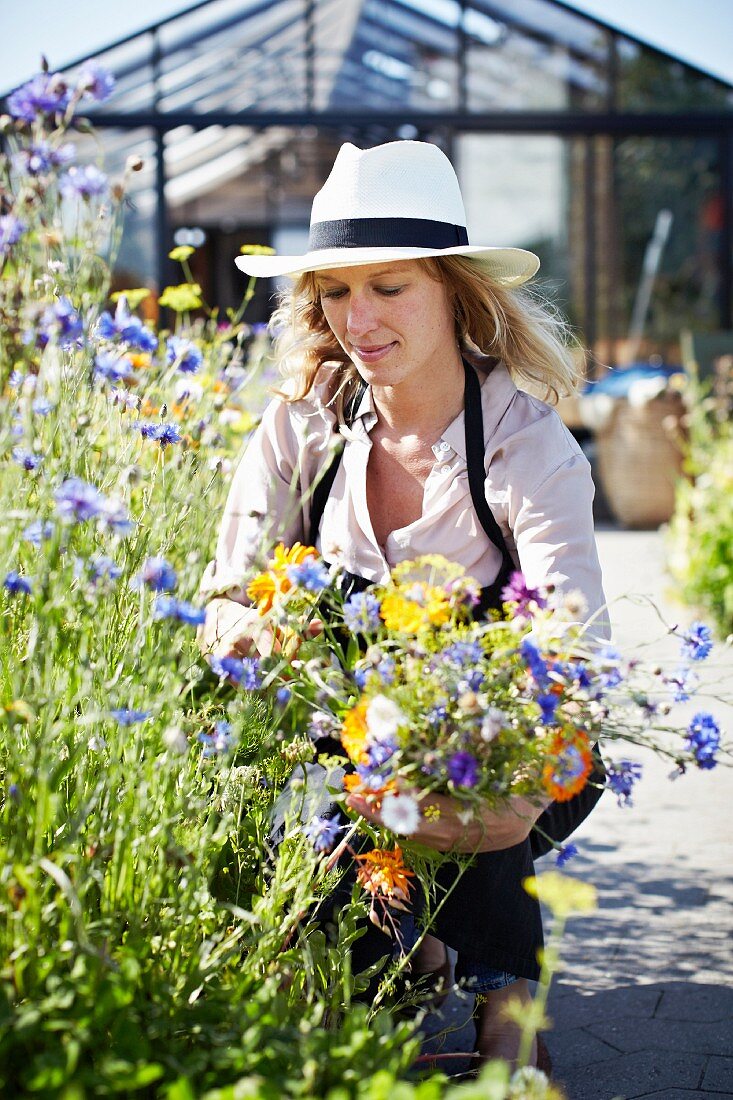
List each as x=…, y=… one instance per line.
x=393, y=320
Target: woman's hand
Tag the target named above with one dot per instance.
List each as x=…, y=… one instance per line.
x=458, y=828
x=233, y=630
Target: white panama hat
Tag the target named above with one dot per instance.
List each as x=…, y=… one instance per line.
x=399, y=201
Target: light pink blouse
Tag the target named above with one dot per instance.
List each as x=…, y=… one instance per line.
x=538, y=486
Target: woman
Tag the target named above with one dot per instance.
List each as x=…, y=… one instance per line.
x=402, y=341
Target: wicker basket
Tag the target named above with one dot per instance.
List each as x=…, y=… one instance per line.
x=640, y=459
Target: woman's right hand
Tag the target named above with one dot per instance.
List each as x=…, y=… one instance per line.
x=232, y=629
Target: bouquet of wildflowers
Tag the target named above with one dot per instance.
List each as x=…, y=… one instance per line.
x=432, y=700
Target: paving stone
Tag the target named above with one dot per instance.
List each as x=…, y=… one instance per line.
x=632, y=1075
x=696, y=1002
x=719, y=1074
x=665, y=1035
x=684, y=1094
x=576, y=1047
x=579, y=1009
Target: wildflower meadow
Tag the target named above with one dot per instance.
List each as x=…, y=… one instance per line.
x=156, y=938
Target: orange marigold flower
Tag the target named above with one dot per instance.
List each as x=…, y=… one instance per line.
x=353, y=784
x=383, y=873
x=354, y=734
x=572, y=762
x=264, y=589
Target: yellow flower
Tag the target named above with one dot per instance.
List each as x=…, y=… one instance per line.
x=266, y=587
x=384, y=873
x=140, y=360
x=181, y=298
x=354, y=734
x=414, y=606
x=562, y=894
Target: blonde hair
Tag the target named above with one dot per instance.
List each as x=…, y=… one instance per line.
x=490, y=321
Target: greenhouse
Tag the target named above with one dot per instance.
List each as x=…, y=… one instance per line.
x=571, y=139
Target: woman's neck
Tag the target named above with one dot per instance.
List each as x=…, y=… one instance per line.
x=420, y=406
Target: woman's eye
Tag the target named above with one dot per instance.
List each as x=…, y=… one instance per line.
x=389, y=291
x=331, y=294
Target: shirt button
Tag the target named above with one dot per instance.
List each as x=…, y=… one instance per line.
x=443, y=446
x=444, y=469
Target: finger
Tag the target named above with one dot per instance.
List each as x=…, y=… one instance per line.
x=314, y=628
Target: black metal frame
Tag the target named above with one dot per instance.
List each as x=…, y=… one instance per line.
x=610, y=122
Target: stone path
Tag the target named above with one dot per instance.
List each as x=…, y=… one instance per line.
x=643, y=1006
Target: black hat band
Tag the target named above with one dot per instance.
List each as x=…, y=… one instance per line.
x=385, y=233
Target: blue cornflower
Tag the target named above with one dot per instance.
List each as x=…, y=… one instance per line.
x=379, y=752
x=283, y=695
x=38, y=531
x=41, y=406
x=537, y=665
x=697, y=641
x=463, y=769
x=163, y=434
x=29, y=460
x=15, y=378
x=684, y=681
x=112, y=367
x=322, y=833
x=95, y=81
x=437, y=714
x=473, y=681
x=64, y=320
x=40, y=157
x=45, y=94
x=621, y=777
x=703, y=739
x=385, y=670
x=11, y=230
x=610, y=676
x=103, y=567
x=462, y=654
x=219, y=741
x=361, y=613
x=372, y=777
x=548, y=705
x=124, y=716
x=310, y=574
x=184, y=353
x=158, y=574
x=168, y=607
x=15, y=584
x=566, y=853
x=115, y=517
x=360, y=678
x=78, y=501
x=84, y=182
x=128, y=327
x=245, y=672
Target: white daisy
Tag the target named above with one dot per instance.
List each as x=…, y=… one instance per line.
x=400, y=813
x=383, y=718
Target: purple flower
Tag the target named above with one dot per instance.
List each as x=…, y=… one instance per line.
x=112, y=367
x=45, y=94
x=463, y=769
x=437, y=714
x=218, y=742
x=78, y=501
x=184, y=353
x=697, y=641
x=611, y=675
x=322, y=833
x=84, y=182
x=703, y=739
x=168, y=607
x=245, y=672
x=95, y=81
x=41, y=406
x=29, y=460
x=62, y=319
x=684, y=681
x=310, y=574
x=519, y=592
x=283, y=695
x=11, y=230
x=158, y=574
x=38, y=531
x=123, y=716
x=566, y=853
x=548, y=706
x=621, y=777
x=102, y=567
x=361, y=613
x=40, y=157
x=128, y=327
x=16, y=584
x=379, y=752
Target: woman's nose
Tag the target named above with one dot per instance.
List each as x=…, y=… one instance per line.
x=360, y=319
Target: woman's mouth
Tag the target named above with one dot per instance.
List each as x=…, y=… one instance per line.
x=374, y=353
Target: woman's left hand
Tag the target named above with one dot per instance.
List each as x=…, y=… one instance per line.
x=456, y=828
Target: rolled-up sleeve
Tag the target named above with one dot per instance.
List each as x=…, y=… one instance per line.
x=263, y=507
x=553, y=532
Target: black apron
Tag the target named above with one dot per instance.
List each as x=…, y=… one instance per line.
x=487, y=915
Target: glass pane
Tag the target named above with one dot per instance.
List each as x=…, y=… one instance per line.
x=648, y=81
x=527, y=192
x=668, y=208
x=529, y=65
